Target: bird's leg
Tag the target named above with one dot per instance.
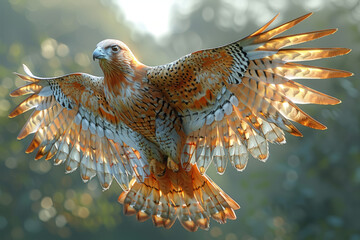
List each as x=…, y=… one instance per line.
x=157, y=168
x=171, y=164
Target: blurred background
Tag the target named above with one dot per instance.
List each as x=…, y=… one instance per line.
x=308, y=189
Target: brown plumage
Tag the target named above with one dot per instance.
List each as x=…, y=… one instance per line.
x=157, y=129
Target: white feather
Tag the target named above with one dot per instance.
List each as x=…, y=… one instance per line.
x=209, y=119
x=85, y=124
x=45, y=92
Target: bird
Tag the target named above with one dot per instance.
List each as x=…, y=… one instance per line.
x=157, y=129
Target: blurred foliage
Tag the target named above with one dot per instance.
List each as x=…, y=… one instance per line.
x=309, y=188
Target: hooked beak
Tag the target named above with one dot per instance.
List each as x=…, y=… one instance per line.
x=99, y=54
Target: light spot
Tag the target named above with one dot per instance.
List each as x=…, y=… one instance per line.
x=4, y=105
x=7, y=83
x=46, y=203
x=48, y=48
x=17, y=233
x=11, y=162
x=83, y=212
x=69, y=204
x=86, y=199
x=82, y=59
x=224, y=19
x=54, y=63
x=216, y=232
x=291, y=176
x=231, y=236
x=60, y=221
x=46, y=214
x=208, y=14
x=278, y=5
x=58, y=197
x=62, y=50
x=15, y=50
x=35, y=194
x=45, y=166
x=278, y=221
x=313, y=5
x=32, y=225
x=92, y=185
x=148, y=16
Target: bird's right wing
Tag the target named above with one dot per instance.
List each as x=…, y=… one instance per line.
x=235, y=99
x=74, y=124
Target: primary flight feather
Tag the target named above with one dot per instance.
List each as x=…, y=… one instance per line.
x=157, y=129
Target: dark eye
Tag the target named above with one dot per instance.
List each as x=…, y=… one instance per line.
x=115, y=48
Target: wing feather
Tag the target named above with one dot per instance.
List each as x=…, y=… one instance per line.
x=73, y=124
x=235, y=99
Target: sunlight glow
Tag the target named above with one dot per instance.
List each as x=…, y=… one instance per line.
x=148, y=16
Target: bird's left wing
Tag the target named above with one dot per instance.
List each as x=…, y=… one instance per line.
x=236, y=98
x=74, y=124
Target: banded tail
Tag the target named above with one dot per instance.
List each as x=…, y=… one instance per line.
x=187, y=195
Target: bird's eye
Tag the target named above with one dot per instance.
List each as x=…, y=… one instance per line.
x=115, y=48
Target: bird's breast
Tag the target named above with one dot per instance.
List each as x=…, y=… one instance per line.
x=137, y=105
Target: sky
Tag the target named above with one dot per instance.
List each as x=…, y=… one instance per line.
x=148, y=16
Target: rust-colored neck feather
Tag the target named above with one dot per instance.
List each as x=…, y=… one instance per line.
x=119, y=74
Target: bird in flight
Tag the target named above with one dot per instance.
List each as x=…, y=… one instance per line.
x=155, y=130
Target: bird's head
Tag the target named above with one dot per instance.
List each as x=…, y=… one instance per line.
x=114, y=55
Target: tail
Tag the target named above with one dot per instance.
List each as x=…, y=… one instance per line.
x=187, y=195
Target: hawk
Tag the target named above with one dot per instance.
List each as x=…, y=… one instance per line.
x=155, y=130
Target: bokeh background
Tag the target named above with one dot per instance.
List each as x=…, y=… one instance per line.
x=308, y=189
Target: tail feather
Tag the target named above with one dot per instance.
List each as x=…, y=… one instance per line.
x=147, y=200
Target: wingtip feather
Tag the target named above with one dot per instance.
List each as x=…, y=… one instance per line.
x=346, y=50
x=27, y=70
x=333, y=101
x=263, y=28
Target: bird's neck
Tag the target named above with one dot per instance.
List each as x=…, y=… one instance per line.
x=120, y=76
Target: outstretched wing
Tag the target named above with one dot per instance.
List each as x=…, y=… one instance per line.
x=236, y=98
x=74, y=124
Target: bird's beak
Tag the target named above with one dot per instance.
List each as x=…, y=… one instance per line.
x=99, y=53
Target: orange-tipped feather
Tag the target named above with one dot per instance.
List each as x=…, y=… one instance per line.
x=294, y=131
x=299, y=93
x=193, y=211
x=35, y=143
x=275, y=31
x=263, y=28
x=299, y=71
x=32, y=124
x=27, y=89
x=307, y=54
x=27, y=78
x=26, y=105
x=280, y=42
x=294, y=113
